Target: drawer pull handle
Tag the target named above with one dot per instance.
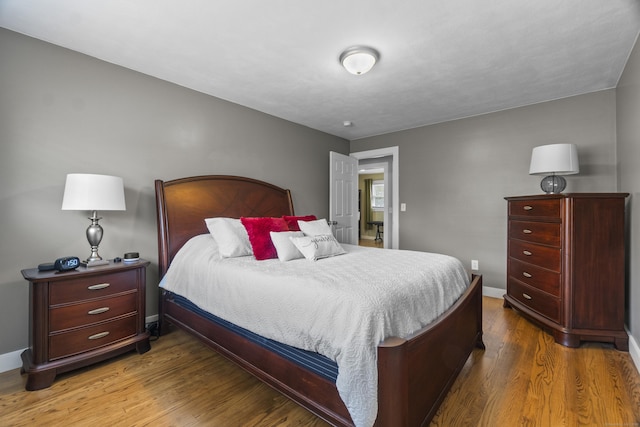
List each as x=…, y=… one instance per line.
x=98, y=336
x=527, y=231
x=98, y=286
x=98, y=310
x=527, y=253
x=527, y=275
x=526, y=296
x=527, y=208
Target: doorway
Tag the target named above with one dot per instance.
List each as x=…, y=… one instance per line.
x=372, y=202
x=386, y=159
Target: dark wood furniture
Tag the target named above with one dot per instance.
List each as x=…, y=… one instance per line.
x=414, y=373
x=83, y=316
x=378, y=224
x=565, y=266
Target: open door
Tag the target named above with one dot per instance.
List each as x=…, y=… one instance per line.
x=343, y=197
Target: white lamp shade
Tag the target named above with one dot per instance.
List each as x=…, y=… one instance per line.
x=93, y=193
x=561, y=159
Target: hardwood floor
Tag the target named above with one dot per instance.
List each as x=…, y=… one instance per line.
x=371, y=243
x=522, y=379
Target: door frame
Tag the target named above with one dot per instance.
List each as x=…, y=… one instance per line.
x=392, y=152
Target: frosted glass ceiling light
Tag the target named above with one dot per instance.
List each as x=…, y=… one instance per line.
x=359, y=59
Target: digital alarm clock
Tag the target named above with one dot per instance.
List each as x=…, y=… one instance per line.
x=66, y=263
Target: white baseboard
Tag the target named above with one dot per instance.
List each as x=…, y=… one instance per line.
x=634, y=351
x=9, y=361
x=12, y=360
x=493, y=292
x=150, y=319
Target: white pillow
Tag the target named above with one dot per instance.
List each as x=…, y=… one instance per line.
x=315, y=228
x=317, y=247
x=231, y=237
x=284, y=246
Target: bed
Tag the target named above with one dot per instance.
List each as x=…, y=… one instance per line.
x=413, y=374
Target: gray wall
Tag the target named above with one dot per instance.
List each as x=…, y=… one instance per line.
x=454, y=176
x=628, y=132
x=63, y=112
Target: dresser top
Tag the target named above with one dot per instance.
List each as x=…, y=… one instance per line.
x=570, y=196
x=34, y=275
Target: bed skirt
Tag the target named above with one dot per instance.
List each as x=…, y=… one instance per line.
x=314, y=362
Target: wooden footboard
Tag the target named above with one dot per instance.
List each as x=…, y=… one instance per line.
x=415, y=374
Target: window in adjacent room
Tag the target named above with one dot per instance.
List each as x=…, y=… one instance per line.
x=377, y=195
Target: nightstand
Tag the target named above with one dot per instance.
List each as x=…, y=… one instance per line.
x=82, y=317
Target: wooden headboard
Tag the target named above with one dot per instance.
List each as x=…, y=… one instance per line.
x=183, y=204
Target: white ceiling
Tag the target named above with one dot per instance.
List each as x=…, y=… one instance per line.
x=440, y=59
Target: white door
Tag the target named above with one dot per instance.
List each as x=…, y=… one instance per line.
x=343, y=197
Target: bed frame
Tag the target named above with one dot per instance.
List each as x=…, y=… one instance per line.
x=415, y=374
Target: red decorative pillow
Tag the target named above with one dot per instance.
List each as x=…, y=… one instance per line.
x=258, y=230
x=292, y=221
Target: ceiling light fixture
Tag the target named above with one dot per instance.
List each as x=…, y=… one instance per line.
x=359, y=59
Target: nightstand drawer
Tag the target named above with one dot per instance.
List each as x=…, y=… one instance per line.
x=535, y=208
x=84, y=339
x=536, y=277
x=84, y=288
x=536, y=300
x=546, y=233
x=76, y=315
x=531, y=253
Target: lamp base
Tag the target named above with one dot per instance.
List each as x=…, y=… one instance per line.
x=553, y=184
x=94, y=262
x=94, y=236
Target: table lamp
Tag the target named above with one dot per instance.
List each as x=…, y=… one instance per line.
x=89, y=192
x=552, y=159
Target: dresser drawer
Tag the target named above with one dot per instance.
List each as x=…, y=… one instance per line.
x=536, y=277
x=91, y=337
x=546, y=233
x=84, y=288
x=536, y=300
x=549, y=208
x=94, y=311
x=532, y=253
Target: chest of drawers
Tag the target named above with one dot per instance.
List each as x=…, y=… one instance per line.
x=565, y=265
x=83, y=316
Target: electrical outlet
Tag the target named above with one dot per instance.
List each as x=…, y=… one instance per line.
x=474, y=264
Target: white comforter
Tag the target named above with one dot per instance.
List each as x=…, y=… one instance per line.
x=341, y=307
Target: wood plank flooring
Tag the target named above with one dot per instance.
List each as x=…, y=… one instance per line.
x=371, y=243
x=522, y=379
